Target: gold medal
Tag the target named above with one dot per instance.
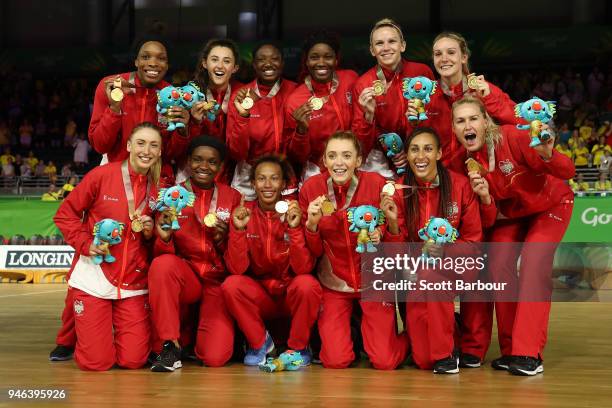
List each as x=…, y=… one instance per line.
x=316, y=103
x=472, y=81
x=473, y=165
x=327, y=208
x=137, y=225
x=247, y=103
x=389, y=189
x=117, y=92
x=210, y=220
x=281, y=207
x=379, y=87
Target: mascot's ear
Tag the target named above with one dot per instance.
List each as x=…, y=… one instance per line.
x=96, y=228
x=423, y=233
x=434, y=86
x=517, y=110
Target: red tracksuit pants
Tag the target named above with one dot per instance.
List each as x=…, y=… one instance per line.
x=172, y=286
x=66, y=336
x=250, y=304
x=384, y=347
x=110, y=332
x=522, y=326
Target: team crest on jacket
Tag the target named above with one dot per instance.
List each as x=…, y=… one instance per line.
x=453, y=209
x=349, y=98
x=223, y=214
x=79, y=308
x=506, y=166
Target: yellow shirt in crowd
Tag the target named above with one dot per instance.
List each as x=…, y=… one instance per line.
x=581, y=156
x=598, y=152
x=565, y=151
x=603, y=185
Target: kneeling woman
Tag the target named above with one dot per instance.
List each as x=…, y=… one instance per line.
x=110, y=302
x=271, y=266
x=342, y=187
x=439, y=193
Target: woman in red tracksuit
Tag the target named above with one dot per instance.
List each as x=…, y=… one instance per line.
x=374, y=112
x=258, y=130
x=270, y=266
x=109, y=300
x=320, y=106
x=440, y=193
x=111, y=125
x=217, y=63
x=535, y=206
x=450, y=59
x=339, y=269
x=188, y=266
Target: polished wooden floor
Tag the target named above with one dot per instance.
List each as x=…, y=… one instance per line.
x=578, y=370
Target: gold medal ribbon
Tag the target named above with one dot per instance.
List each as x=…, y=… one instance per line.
x=273, y=91
x=381, y=76
x=349, y=194
x=129, y=192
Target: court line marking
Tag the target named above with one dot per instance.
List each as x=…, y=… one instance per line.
x=32, y=293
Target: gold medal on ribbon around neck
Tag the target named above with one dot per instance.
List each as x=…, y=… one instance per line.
x=117, y=92
x=281, y=207
x=210, y=220
x=327, y=208
x=137, y=225
x=316, y=103
x=247, y=103
x=379, y=87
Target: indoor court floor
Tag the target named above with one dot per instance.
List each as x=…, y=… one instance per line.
x=577, y=370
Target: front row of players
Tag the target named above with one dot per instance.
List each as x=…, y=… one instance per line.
x=250, y=262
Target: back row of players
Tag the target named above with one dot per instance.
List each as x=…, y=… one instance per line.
x=253, y=264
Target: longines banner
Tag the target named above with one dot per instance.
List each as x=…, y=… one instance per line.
x=33, y=257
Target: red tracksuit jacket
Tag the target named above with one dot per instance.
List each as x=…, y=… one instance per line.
x=439, y=110
x=262, y=132
x=464, y=210
x=271, y=250
x=522, y=183
x=193, y=241
x=109, y=131
x=335, y=115
x=216, y=128
x=389, y=115
x=100, y=195
x=332, y=236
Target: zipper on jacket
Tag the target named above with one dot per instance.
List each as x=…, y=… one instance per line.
x=276, y=130
x=269, y=238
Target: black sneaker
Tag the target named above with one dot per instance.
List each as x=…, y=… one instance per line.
x=469, y=361
x=153, y=356
x=449, y=365
x=61, y=353
x=168, y=360
x=502, y=363
x=525, y=365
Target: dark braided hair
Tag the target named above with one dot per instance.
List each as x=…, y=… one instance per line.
x=412, y=200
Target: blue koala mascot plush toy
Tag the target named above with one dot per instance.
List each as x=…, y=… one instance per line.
x=173, y=200
x=106, y=232
x=537, y=112
x=290, y=360
x=166, y=98
x=418, y=89
x=363, y=220
x=393, y=145
x=436, y=231
x=190, y=95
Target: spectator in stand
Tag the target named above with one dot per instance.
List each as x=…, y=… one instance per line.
x=37, y=239
x=67, y=170
x=5, y=134
x=595, y=82
x=31, y=161
x=68, y=187
x=50, y=170
x=7, y=160
x=573, y=141
x=581, y=154
x=579, y=184
x=603, y=184
x=17, y=164
x=40, y=133
x=39, y=170
x=25, y=170
x=81, y=151
x=605, y=161
x=599, y=150
x=25, y=134
x=17, y=240
x=562, y=147
x=70, y=131
x=52, y=194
